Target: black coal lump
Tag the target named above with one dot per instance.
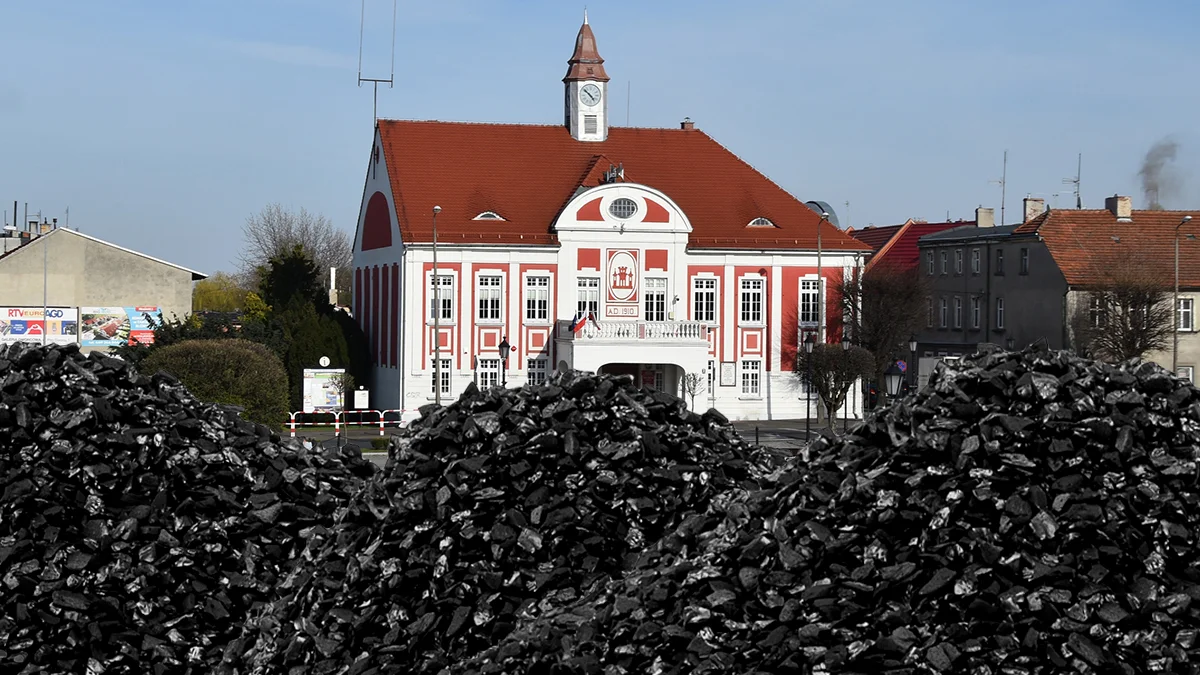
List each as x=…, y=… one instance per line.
x=139, y=527
x=494, y=509
x=1027, y=512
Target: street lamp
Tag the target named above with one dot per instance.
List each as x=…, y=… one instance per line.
x=820, y=282
x=504, y=349
x=845, y=353
x=1175, y=299
x=912, y=358
x=808, y=347
x=437, y=313
x=892, y=379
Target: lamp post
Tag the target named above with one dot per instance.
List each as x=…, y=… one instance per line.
x=845, y=353
x=892, y=379
x=820, y=282
x=808, y=348
x=1175, y=300
x=912, y=359
x=504, y=349
x=437, y=313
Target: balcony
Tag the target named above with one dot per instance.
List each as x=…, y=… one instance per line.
x=635, y=331
x=682, y=343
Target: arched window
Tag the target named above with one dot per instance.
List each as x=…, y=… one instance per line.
x=760, y=222
x=623, y=208
x=488, y=215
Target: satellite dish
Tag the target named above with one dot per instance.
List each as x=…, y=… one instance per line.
x=324, y=361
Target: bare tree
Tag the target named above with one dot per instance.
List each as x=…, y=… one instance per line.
x=882, y=309
x=343, y=383
x=1127, y=313
x=275, y=230
x=692, y=387
x=834, y=371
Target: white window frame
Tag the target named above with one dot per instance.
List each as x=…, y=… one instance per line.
x=944, y=258
x=1023, y=266
x=1000, y=313
x=976, y=260
x=929, y=263
x=587, y=295
x=1097, y=315
x=958, y=261
x=536, y=310
x=489, y=288
x=537, y=370
x=704, y=299
x=943, y=313
x=976, y=312
x=1187, y=314
x=810, y=295
x=654, y=298
x=487, y=373
x=447, y=376
x=1186, y=372
x=748, y=288
x=751, y=377
x=958, y=312
x=447, y=297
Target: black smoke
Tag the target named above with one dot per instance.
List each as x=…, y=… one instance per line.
x=1160, y=180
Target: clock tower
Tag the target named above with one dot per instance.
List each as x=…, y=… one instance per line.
x=586, y=85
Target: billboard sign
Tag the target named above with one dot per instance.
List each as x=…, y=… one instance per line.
x=115, y=326
x=59, y=325
x=320, y=391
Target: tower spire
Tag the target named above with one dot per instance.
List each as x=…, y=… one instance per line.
x=586, y=63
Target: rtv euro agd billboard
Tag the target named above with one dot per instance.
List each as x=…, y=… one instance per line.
x=57, y=325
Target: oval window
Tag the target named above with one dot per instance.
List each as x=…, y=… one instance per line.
x=623, y=208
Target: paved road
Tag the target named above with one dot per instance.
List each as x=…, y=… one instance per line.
x=781, y=434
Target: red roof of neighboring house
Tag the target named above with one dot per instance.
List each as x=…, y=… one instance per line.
x=1086, y=243
x=896, y=245
x=528, y=173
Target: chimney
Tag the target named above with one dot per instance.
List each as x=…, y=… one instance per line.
x=985, y=217
x=1121, y=207
x=687, y=124
x=1034, y=207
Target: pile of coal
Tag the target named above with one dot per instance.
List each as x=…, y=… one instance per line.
x=1028, y=512
x=493, y=508
x=138, y=526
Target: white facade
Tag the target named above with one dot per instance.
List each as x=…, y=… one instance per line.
x=663, y=331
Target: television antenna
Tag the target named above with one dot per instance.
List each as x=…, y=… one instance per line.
x=1003, y=186
x=1075, y=181
x=390, y=81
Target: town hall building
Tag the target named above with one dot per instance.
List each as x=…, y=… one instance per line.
x=651, y=252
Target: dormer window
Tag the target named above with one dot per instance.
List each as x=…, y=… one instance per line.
x=488, y=215
x=760, y=222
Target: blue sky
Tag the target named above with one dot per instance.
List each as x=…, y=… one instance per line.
x=163, y=125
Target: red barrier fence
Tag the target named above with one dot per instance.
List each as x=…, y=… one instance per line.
x=347, y=418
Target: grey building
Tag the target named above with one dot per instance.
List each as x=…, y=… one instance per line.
x=989, y=284
x=78, y=270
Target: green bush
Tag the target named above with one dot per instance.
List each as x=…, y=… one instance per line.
x=237, y=372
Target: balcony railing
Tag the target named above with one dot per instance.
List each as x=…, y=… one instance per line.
x=616, y=330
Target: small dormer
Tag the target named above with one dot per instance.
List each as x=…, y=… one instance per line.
x=760, y=222
x=488, y=215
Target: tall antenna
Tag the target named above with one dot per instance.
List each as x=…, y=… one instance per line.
x=362, y=22
x=1003, y=187
x=1075, y=181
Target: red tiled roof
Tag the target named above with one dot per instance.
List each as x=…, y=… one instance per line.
x=1082, y=242
x=528, y=173
x=876, y=237
x=896, y=245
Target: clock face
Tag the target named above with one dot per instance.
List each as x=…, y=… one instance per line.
x=589, y=95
